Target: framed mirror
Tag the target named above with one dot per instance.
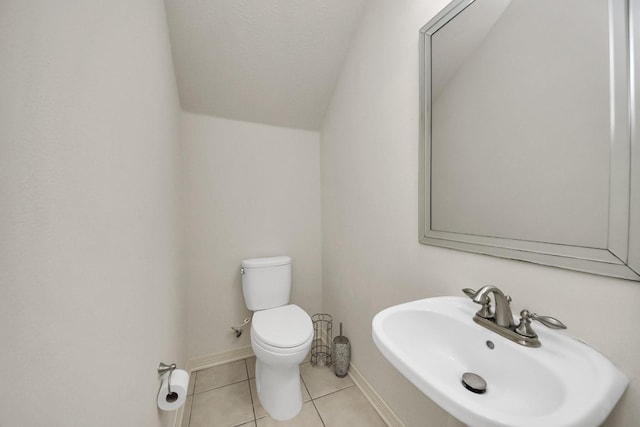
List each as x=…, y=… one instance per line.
x=529, y=147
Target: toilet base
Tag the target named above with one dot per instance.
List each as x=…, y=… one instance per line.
x=279, y=390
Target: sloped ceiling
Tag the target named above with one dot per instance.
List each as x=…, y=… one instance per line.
x=266, y=61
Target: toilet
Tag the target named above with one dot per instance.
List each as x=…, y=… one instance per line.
x=281, y=334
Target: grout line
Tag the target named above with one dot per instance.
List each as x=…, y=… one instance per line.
x=253, y=406
x=333, y=392
x=305, y=387
x=246, y=367
x=195, y=379
x=190, y=412
x=318, y=412
x=220, y=386
x=243, y=423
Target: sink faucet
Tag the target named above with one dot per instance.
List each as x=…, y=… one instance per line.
x=502, y=314
x=500, y=320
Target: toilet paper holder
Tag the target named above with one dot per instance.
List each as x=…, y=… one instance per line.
x=163, y=368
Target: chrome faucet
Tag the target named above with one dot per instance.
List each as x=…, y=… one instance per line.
x=500, y=320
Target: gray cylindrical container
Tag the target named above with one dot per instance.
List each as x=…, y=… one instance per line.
x=341, y=354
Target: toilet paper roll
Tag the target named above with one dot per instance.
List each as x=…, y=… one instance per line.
x=179, y=385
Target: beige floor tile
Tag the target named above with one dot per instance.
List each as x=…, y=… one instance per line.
x=186, y=412
x=308, y=417
x=348, y=408
x=251, y=366
x=222, y=407
x=249, y=424
x=257, y=406
x=221, y=375
x=322, y=380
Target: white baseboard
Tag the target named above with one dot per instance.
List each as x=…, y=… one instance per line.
x=207, y=361
x=381, y=407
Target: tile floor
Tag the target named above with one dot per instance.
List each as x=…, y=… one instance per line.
x=225, y=396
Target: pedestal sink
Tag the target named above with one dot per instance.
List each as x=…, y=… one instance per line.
x=434, y=341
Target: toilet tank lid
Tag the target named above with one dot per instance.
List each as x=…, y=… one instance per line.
x=266, y=262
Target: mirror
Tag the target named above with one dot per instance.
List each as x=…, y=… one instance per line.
x=528, y=143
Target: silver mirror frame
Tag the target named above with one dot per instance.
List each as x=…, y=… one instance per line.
x=621, y=257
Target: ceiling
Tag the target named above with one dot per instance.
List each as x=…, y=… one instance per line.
x=266, y=61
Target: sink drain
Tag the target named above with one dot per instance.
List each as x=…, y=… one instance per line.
x=474, y=382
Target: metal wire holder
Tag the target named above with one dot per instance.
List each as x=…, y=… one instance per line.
x=322, y=337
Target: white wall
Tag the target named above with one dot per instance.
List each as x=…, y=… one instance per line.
x=371, y=258
x=250, y=191
x=91, y=299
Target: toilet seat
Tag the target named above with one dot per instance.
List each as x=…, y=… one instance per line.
x=282, y=329
x=282, y=351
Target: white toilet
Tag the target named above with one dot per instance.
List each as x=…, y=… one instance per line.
x=281, y=334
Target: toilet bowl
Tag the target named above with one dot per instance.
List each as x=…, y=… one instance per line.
x=280, y=338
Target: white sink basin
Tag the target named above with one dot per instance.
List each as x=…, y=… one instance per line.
x=434, y=341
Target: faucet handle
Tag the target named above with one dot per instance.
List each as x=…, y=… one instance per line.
x=524, y=327
x=548, y=321
x=469, y=292
x=485, y=311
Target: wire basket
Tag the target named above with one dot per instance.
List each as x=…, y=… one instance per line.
x=322, y=337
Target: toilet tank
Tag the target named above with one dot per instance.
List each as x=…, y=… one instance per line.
x=266, y=282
